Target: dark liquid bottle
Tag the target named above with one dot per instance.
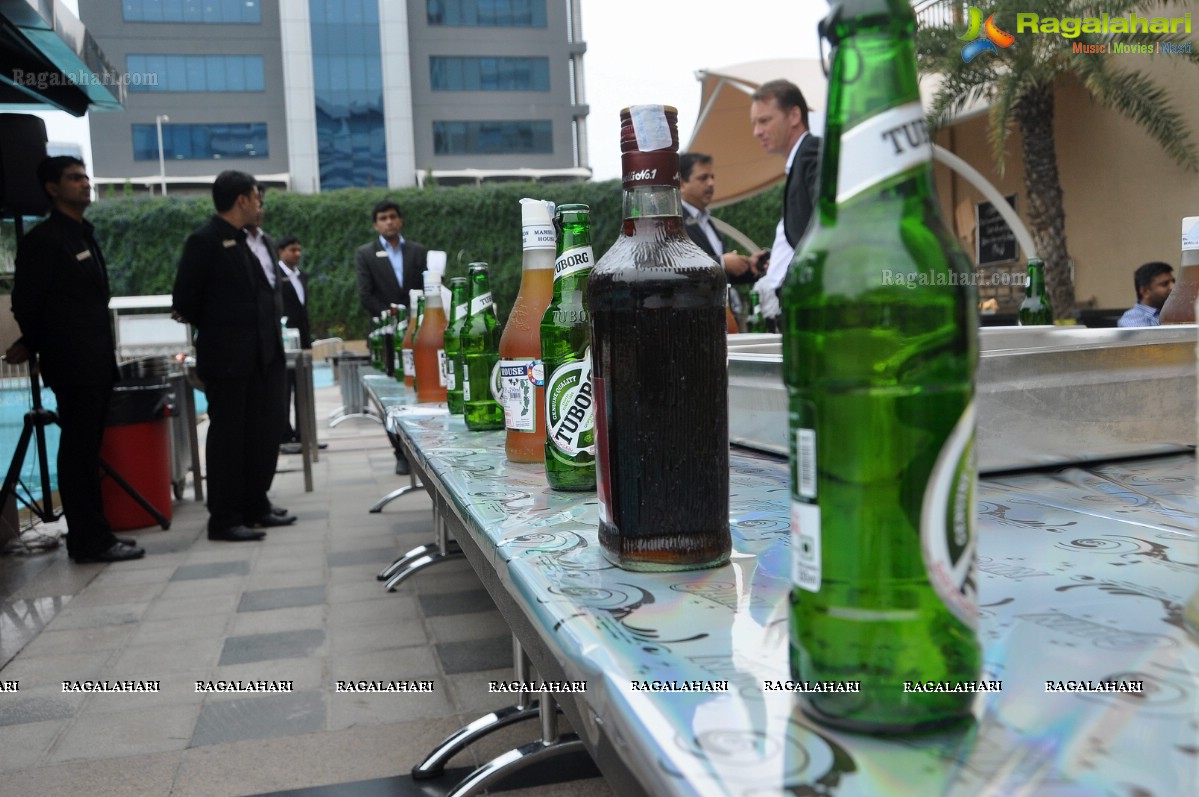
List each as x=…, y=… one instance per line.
x=880, y=379
x=1035, y=310
x=659, y=349
x=479, y=349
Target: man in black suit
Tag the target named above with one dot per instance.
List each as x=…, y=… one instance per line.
x=60, y=299
x=779, y=115
x=223, y=291
x=388, y=268
x=295, y=311
x=697, y=186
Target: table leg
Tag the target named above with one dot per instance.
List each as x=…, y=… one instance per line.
x=394, y=494
x=442, y=549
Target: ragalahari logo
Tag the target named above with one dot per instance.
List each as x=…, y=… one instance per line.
x=983, y=37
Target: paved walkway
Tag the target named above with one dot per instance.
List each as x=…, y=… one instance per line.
x=301, y=606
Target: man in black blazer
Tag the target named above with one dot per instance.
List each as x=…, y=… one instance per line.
x=60, y=299
x=295, y=311
x=223, y=291
x=779, y=114
x=388, y=267
x=697, y=186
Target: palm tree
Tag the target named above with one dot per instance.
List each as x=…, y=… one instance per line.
x=1018, y=82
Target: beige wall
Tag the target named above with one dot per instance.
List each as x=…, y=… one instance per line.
x=1124, y=198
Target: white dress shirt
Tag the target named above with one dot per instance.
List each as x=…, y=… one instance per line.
x=258, y=247
x=294, y=278
x=704, y=220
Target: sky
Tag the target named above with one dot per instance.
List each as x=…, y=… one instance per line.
x=643, y=51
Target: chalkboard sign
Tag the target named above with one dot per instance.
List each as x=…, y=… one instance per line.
x=994, y=240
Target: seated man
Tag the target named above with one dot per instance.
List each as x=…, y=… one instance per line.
x=1153, y=283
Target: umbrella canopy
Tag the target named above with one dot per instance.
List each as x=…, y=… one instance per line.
x=723, y=128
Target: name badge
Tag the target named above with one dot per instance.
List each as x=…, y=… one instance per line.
x=380, y=254
x=229, y=243
x=84, y=255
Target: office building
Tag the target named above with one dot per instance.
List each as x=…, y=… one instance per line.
x=324, y=94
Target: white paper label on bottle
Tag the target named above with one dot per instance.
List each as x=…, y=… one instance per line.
x=465, y=381
x=881, y=147
x=805, y=546
x=570, y=407
x=538, y=236
x=409, y=363
x=947, y=537
x=573, y=261
x=651, y=127
x=518, y=383
x=480, y=303
x=441, y=368
x=805, y=463
x=461, y=310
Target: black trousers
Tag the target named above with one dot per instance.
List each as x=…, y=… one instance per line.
x=82, y=411
x=247, y=422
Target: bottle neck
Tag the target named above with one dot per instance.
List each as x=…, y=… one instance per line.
x=539, y=258
x=642, y=201
x=1036, y=280
x=876, y=139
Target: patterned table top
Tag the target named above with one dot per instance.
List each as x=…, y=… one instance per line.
x=1083, y=575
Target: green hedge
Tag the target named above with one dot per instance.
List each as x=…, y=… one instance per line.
x=143, y=236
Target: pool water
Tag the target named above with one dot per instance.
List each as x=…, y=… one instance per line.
x=15, y=403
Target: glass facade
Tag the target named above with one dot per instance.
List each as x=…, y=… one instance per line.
x=486, y=13
x=195, y=73
x=489, y=74
x=493, y=138
x=347, y=70
x=201, y=142
x=211, y=12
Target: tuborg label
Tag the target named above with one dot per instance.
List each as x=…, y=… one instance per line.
x=441, y=368
x=518, y=383
x=409, y=362
x=570, y=407
x=480, y=303
x=460, y=310
x=947, y=536
x=881, y=147
x=573, y=261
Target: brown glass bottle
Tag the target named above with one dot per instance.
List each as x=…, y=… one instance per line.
x=659, y=346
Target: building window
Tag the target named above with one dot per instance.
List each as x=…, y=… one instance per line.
x=210, y=12
x=347, y=72
x=493, y=138
x=489, y=74
x=201, y=142
x=195, y=73
x=486, y=13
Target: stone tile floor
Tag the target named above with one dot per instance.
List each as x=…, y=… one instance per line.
x=301, y=606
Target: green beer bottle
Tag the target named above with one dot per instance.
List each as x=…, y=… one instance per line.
x=755, y=322
x=459, y=312
x=879, y=353
x=566, y=352
x=479, y=346
x=401, y=315
x=1035, y=309
x=372, y=341
x=420, y=316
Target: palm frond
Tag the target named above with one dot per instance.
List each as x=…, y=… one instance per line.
x=1139, y=98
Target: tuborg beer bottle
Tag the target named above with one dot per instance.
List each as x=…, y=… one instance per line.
x=459, y=312
x=659, y=352
x=879, y=353
x=566, y=352
x=414, y=300
x=1035, y=309
x=401, y=315
x=480, y=356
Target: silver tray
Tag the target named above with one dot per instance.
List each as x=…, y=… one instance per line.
x=1045, y=395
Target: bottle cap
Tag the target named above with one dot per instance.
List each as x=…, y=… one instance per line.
x=649, y=145
x=435, y=261
x=536, y=223
x=1190, y=233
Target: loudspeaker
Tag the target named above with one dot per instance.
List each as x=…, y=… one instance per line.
x=22, y=148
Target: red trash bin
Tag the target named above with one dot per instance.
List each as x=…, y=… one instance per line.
x=137, y=447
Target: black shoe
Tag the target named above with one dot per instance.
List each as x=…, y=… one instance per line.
x=270, y=519
x=278, y=510
x=117, y=553
x=290, y=448
x=402, y=467
x=236, y=534
x=128, y=542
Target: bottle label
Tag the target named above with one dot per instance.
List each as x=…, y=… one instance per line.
x=947, y=537
x=518, y=383
x=650, y=127
x=451, y=379
x=461, y=310
x=538, y=236
x=441, y=368
x=401, y=328
x=465, y=382
x=570, y=407
x=805, y=546
x=409, y=363
x=573, y=261
x=881, y=147
x=480, y=303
